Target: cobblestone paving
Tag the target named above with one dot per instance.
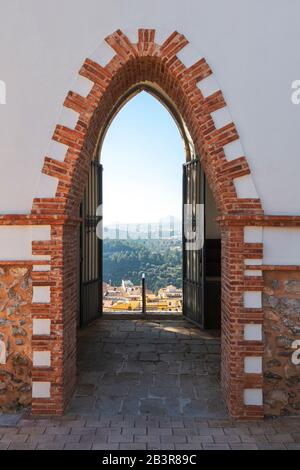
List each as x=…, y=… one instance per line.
x=145, y=384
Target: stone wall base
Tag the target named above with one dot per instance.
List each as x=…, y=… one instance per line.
x=15, y=337
x=281, y=329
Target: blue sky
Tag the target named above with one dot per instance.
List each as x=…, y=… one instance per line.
x=142, y=157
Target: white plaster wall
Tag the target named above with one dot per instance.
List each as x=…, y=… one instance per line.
x=251, y=45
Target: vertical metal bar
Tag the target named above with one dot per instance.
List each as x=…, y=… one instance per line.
x=92, y=228
x=144, y=308
x=203, y=251
x=81, y=266
x=183, y=242
x=94, y=201
x=199, y=281
x=96, y=261
x=100, y=241
x=93, y=261
x=193, y=260
x=89, y=227
x=85, y=257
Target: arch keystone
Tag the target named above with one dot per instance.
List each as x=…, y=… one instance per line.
x=146, y=42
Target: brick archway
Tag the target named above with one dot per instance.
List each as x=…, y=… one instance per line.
x=194, y=94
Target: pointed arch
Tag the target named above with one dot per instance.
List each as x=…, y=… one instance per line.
x=156, y=66
x=193, y=97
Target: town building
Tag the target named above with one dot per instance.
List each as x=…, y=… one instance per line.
x=128, y=297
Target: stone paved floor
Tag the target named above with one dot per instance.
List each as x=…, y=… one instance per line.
x=148, y=385
x=138, y=367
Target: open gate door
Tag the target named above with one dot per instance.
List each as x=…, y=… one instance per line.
x=91, y=248
x=193, y=241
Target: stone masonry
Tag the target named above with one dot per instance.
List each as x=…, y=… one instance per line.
x=15, y=335
x=281, y=328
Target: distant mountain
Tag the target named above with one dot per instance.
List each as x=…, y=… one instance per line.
x=167, y=228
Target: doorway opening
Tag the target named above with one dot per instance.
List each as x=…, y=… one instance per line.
x=152, y=358
x=192, y=95
x=195, y=288
x=142, y=155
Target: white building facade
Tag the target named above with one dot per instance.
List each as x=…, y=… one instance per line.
x=232, y=71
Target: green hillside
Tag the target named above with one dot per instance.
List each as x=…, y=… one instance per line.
x=160, y=260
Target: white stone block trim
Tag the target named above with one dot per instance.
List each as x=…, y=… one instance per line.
x=41, y=295
x=47, y=186
x=253, y=273
x=233, y=150
x=253, y=299
x=82, y=86
x=253, y=365
x=41, y=327
x=41, y=268
x=221, y=117
x=253, y=234
x=41, y=389
x=57, y=151
x=102, y=55
x=253, y=332
x=189, y=55
x=132, y=34
x=253, y=396
x=42, y=258
x=208, y=86
x=68, y=118
x=253, y=262
x=162, y=34
x=41, y=358
x=245, y=188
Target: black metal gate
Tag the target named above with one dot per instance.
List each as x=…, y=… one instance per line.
x=193, y=239
x=91, y=248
